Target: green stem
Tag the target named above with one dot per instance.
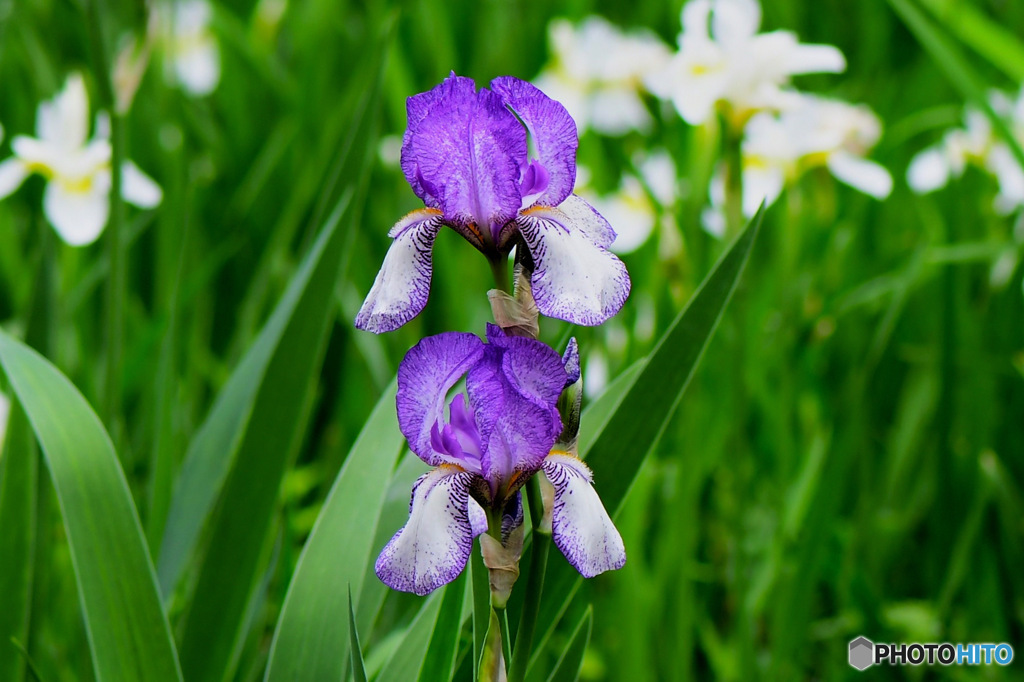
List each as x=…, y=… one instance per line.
x=534, y=586
x=733, y=140
x=499, y=268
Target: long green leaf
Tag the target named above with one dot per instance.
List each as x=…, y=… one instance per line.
x=649, y=402
x=358, y=666
x=312, y=641
x=407, y=660
x=214, y=448
x=215, y=622
x=994, y=42
x=568, y=667
x=129, y=636
x=18, y=480
x=444, y=644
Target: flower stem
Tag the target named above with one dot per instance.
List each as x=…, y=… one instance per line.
x=499, y=268
x=733, y=140
x=534, y=586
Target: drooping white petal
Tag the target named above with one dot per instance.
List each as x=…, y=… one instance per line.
x=808, y=58
x=13, y=172
x=434, y=546
x=861, y=174
x=138, y=188
x=78, y=212
x=928, y=171
x=402, y=286
x=575, y=277
x=580, y=526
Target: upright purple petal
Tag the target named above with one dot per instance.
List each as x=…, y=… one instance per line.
x=580, y=526
x=427, y=373
x=402, y=286
x=531, y=367
x=434, y=546
x=464, y=148
x=575, y=277
x=518, y=422
x=553, y=132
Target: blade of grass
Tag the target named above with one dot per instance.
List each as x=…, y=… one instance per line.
x=129, y=636
x=310, y=642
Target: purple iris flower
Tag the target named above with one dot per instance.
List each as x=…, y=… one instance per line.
x=496, y=435
x=467, y=155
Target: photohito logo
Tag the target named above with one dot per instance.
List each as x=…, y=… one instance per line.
x=864, y=653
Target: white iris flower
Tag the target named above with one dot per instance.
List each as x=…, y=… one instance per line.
x=76, y=200
x=192, y=56
x=976, y=144
x=597, y=73
x=732, y=66
x=779, y=148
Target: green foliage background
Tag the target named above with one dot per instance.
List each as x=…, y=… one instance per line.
x=848, y=459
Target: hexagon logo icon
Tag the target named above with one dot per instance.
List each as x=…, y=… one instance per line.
x=862, y=652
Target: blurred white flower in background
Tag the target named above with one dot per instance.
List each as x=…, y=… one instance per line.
x=597, y=73
x=643, y=200
x=779, y=148
x=191, y=53
x=976, y=144
x=734, y=67
x=77, y=170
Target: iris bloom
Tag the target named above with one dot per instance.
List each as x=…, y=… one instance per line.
x=732, y=65
x=190, y=48
x=467, y=155
x=976, y=143
x=76, y=200
x=597, y=72
x=484, y=447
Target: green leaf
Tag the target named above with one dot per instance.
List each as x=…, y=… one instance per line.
x=408, y=658
x=648, y=403
x=311, y=641
x=568, y=667
x=18, y=484
x=215, y=447
x=215, y=620
x=358, y=666
x=129, y=636
x=992, y=41
x=444, y=644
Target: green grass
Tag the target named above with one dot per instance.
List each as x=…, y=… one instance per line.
x=848, y=458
